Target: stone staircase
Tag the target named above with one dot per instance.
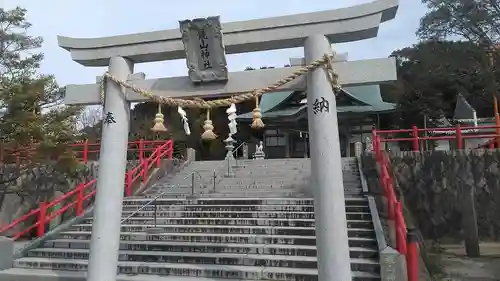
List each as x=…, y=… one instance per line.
x=257, y=224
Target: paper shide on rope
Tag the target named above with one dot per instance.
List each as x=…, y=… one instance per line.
x=231, y=116
x=184, y=120
x=208, y=134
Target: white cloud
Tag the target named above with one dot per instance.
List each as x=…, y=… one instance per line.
x=94, y=18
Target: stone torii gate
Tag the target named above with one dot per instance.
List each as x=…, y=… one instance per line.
x=314, y=31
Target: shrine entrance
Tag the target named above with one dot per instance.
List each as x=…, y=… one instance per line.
x=204, y=46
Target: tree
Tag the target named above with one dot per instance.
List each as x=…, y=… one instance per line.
x=29, y=101
x=89, y=123
x=432, y=73
x=477, y=21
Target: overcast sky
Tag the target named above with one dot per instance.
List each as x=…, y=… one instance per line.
x=97, y=18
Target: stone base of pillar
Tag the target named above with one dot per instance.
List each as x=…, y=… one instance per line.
x=392, y=265
x=259, y=155
x=7, y=250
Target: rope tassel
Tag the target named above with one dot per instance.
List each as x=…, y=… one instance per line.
x=159, y=119
x=257, y=116
x=209, y=129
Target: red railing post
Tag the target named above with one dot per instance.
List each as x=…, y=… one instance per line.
x=141, y=150
x=80, y=194
x=145, y=170
x=378, y=149
x=86, y=151
x=458, y=133
x=42, y=217
x=412, y=259
x=171, y=149
x=400, y=229
x=158, y=153
x=391, y=203
x=415, y=140
x=491, y=144
x=128, y=184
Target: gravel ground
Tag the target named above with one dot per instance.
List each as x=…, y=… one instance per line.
x=456, y=266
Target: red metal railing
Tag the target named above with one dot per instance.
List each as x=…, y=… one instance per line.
x=84, y=193
x=409, y=247
x=86, y=151
x=395, y=210
x=458, y=134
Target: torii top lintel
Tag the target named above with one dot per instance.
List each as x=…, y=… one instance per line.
x=340, y=25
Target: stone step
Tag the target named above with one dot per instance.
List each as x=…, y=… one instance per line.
x=22, y=274
x=269, y=170
x=140, y=200
x=359, y=213
x=229, y=229
x=262, y=181
x=224, y=194
x=235, y=208
x=183, y=269
x=167, y=246
x=245, y=259
x=267, y=186
x=160, y=221
x=354, y=241
x=292, y=186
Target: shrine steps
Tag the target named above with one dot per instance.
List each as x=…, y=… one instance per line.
x=216, y=236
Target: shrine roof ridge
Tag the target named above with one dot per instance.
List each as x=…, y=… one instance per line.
x=339, y=25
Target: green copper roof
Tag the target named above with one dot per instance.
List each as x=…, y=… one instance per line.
x=369, y=98
x=270, y=101
x=369, y=94
x=340, y=109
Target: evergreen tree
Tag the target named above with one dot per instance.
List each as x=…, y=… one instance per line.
x=33, y=124
x=477, y=21
x=432, y=73
x=32, y=116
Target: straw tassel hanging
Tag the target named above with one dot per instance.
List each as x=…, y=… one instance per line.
x=209, y=129
x=257, y=115
x=159, y=119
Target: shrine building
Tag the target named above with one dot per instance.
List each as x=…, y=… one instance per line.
x=284, y=113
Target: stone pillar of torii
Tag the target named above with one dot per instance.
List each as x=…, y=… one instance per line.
x=200, y=42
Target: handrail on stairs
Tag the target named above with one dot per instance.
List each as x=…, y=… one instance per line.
x=227, y=161
x=83, y=194
x=192, y=175
x=406, y=243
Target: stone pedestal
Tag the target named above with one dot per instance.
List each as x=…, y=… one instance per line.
x=7, y=250
x=392, y=265
x=259, y=155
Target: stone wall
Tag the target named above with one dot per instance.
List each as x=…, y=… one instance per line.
x=433, y=184
x=41, y=183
